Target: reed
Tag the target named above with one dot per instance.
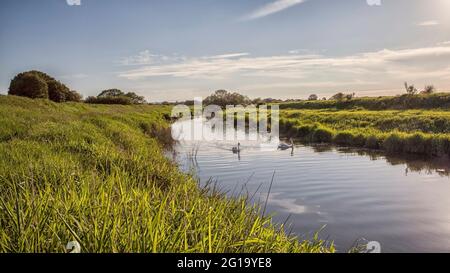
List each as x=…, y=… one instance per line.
x=425, y=132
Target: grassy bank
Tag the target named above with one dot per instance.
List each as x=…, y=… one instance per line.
x=403, y=102
x=98, y=175
x=410, y=131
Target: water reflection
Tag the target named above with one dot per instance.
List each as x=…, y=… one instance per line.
x=400, y=201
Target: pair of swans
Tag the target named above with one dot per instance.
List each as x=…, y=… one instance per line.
x=281, y=146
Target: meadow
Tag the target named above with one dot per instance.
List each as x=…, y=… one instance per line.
x=419, y=131
x=98, y=174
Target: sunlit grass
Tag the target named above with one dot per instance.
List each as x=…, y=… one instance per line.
x=409, y=131
x=98, y=175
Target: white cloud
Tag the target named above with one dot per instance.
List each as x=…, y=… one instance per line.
x=399, y=64
x=145, y=58
x=428, y=23
x=226, y=56
x=271, y=8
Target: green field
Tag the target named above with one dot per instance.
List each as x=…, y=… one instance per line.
x=395, y=131
x=98, y=175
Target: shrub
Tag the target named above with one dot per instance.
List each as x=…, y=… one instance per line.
x=57, y=91
x=224, y=98
x=28, y=85
x=109, y=100
x=322, y=135
x=73, y=96
x=313, y=97
x=116, y=96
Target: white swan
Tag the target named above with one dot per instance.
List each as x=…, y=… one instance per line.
x=284, y=146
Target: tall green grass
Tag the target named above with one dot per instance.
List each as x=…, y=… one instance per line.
x=425, y=132
x=97, y=174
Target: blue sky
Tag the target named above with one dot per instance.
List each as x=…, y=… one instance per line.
x=178, y=49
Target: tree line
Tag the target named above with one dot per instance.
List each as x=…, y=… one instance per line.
x=39, y=85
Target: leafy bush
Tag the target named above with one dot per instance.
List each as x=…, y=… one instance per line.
x=28, y=85
x=36, y=84
x=57, y=91
x=109, y=100
x=223, y=98
x=116, y=96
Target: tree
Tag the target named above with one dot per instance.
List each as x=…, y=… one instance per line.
x=111, y=93
x=116, y=96
x=28, y=85
x=429, y=89
x=410, y=89
x=57, y=91
x=338, y=96
x=313, y=97
x=349, y=96
x=73, y=96
x=223, y=98
x=24, y=84
x=135, y=99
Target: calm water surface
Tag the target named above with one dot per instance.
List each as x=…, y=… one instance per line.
x=402, y=203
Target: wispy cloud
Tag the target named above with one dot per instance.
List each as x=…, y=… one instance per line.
x=429, y=23
x=147, y=58
x=406, y=64
x=271, y=8
x=226, y=56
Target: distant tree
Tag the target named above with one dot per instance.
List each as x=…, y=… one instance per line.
x=135, y=99
x=429, y=89
x=257, y=101
x=74, y=96
x=116, y=96
x=313, y=97
x=349, y=96
x=338, y=96
x=109, y=100
x=224, y=98
x=28, y=85
x=110, y=93
x=410, y=89
x=324, y=98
